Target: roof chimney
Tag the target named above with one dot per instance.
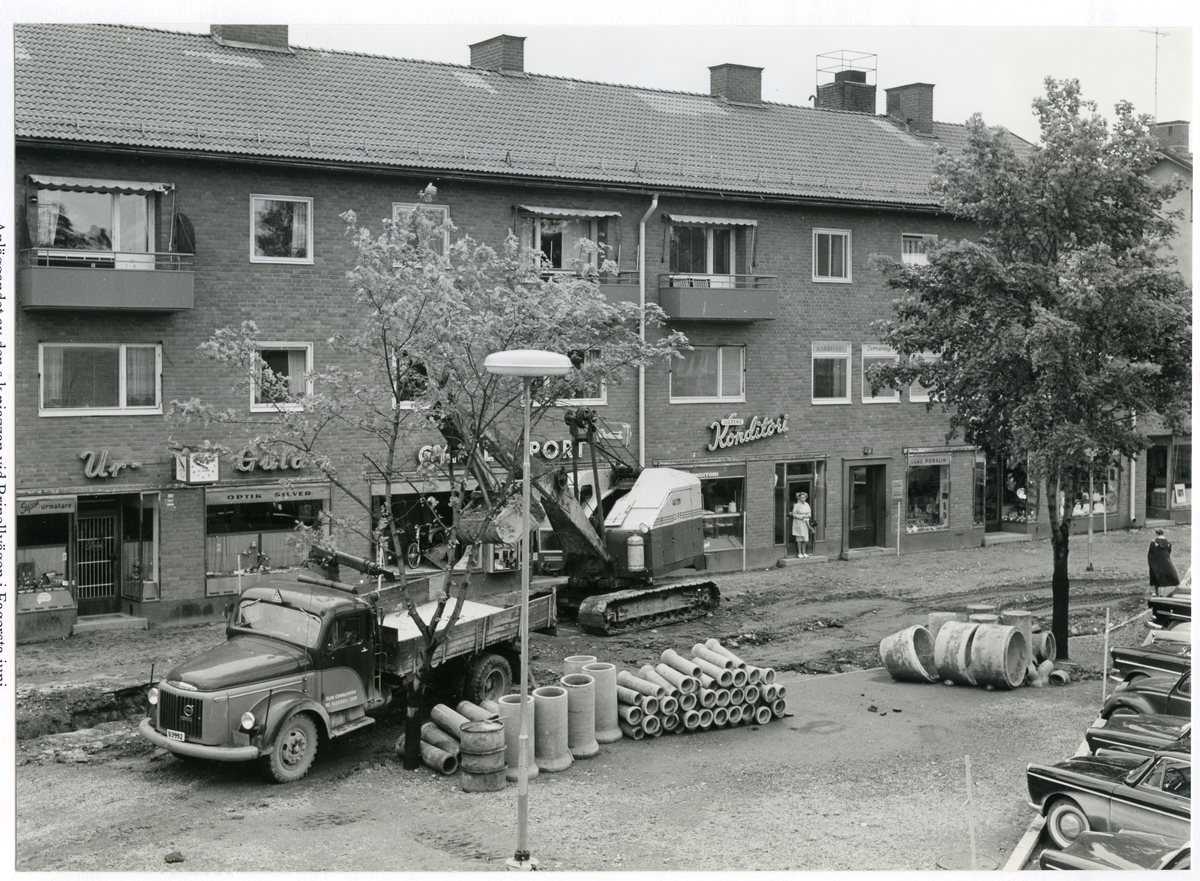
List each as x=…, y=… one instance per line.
x=850, y=89
x=503, y=53
x=912, y=105
x=272, y=37
x=1171, y=134
x=736, y=83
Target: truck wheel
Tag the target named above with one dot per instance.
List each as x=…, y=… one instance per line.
x=489, y=677
x=293, y=751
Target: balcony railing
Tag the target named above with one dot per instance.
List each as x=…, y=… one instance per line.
x=52, y=278
x=621, y=287
x=696, y=297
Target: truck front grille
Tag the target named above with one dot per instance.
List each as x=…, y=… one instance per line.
x=181, y=712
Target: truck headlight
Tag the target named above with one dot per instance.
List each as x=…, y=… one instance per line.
x=247, y=721
x=152, y=696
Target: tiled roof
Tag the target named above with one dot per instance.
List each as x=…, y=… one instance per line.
x=141, y=87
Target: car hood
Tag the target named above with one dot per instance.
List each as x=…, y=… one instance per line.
x=1111, y=768
x=240, y=661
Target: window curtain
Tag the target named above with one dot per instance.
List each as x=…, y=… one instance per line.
x=695, y=375
x=299, y=229
x=297, y=372
x=140, y=377
x=52, y=377
x=48, y=213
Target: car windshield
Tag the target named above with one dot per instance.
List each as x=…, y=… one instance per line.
x=1132, y=777
x=282, y=622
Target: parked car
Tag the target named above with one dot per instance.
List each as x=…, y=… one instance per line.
x=1178, y=632
x=1155, y=659
x=1166, y=695
x=1166, y=611
x=1141, y=734
x=1114, y=793
x=1122, y=850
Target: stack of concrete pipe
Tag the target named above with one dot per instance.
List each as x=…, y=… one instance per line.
x=980, y=648
x=714, y=688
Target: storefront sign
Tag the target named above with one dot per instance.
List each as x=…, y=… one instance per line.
x=46, y=505
x=928, y=459
x=550, y=450
x=729, y=432
x=253, y=495
x=98, y=466
x=248, y=460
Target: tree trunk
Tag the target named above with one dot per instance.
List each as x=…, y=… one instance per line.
x=1060, y=544
x=412, y=727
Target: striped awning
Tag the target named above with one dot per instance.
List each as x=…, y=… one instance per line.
x=84, y=185
x=567, y=212
x=709, y=221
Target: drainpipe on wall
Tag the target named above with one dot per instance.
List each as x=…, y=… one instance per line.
x=642, y=330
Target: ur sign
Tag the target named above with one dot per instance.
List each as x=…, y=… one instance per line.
x=729, y=431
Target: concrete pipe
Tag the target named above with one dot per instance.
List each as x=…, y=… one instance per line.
x=430, y=733
x=630, y=715
x=706, y=719
x=651, y=725
x=490, y=706
x=750, y=694
x=1059, y=677
x=763, y=715
x=737, y=695
x=576, y=663
x=998, y=657
x=581, y=715
x=908, y=655
x=936, y=619
x=748, y=711
x=984, y=618
x=716, y=646
x=778, y=708
x=687, y=701
x=740, y=677
x=680, y=663
x=437, y=759
x=766, y=693
x=482, y=736
x=633, y=732
x=510, y=714
x=651, y=675
x=707, y=698
x=953, y=651
x=691, y=720
x=550, y=732
x=1021, y=619
x=668, y=706
x=629, y=697
x=672, y=724
x=448, y=720
x=735, y=714
x=476, y=713
x=607, y=730
x=638, y=684
x=1045, y=647
x=707, y=681
x=724, y=697
x=720, y=717
x=981, y=609
x=702, y=652
x=766, y=675
x=684, y=683
x=780, y=691
x=1044, y=670
x=724, y=677
x=650, y=705
x=493, y=781
x=753, y=675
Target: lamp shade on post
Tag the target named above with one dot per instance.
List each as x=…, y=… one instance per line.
x=527, y=364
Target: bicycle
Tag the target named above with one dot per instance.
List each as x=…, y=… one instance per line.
x=434, y=541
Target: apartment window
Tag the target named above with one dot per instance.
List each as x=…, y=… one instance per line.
x=702, y=250
x=831, y=373
x=111, y=217
x=709, y=373
x=281, y=229
x=831, y=255
x=917, y=392
x=411, y=381
x=592, y=393
x=283, y=377
x=556, y=233
x=437, y=215
x=913, y=248
x=872, y=354
x=94, y=380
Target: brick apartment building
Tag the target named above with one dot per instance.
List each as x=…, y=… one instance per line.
x=210, y=172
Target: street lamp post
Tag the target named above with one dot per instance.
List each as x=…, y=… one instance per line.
x=527, y=364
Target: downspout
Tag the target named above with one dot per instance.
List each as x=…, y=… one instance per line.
x=642, y=330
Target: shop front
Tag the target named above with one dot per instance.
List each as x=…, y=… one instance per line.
x=1168, y=478
x=723, y=494
x=804, y=475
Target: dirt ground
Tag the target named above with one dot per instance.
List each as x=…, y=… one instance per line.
x=92, y=795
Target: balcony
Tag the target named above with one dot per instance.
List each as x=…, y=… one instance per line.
x=49, y=278
x=693, y=297
x=620, y=287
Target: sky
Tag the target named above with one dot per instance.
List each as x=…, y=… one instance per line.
x=977, y=60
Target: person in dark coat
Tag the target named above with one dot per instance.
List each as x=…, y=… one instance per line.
x=1162, y=570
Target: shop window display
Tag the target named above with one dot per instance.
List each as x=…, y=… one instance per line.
x=1181, y=484
x=928, y=498
x=258, y=536
x=42, y=542
x=722, y=499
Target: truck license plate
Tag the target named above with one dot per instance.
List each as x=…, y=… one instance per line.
x=173, y=735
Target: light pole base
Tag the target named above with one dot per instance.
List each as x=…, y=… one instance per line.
x=528, y=864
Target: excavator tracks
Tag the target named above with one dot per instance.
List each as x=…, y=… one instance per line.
x=638, y=608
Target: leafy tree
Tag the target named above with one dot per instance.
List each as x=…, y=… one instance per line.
x=407, y=369
x=1065, y=320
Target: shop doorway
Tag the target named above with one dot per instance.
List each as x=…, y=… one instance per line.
x=97, y=561
x=868, y=516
